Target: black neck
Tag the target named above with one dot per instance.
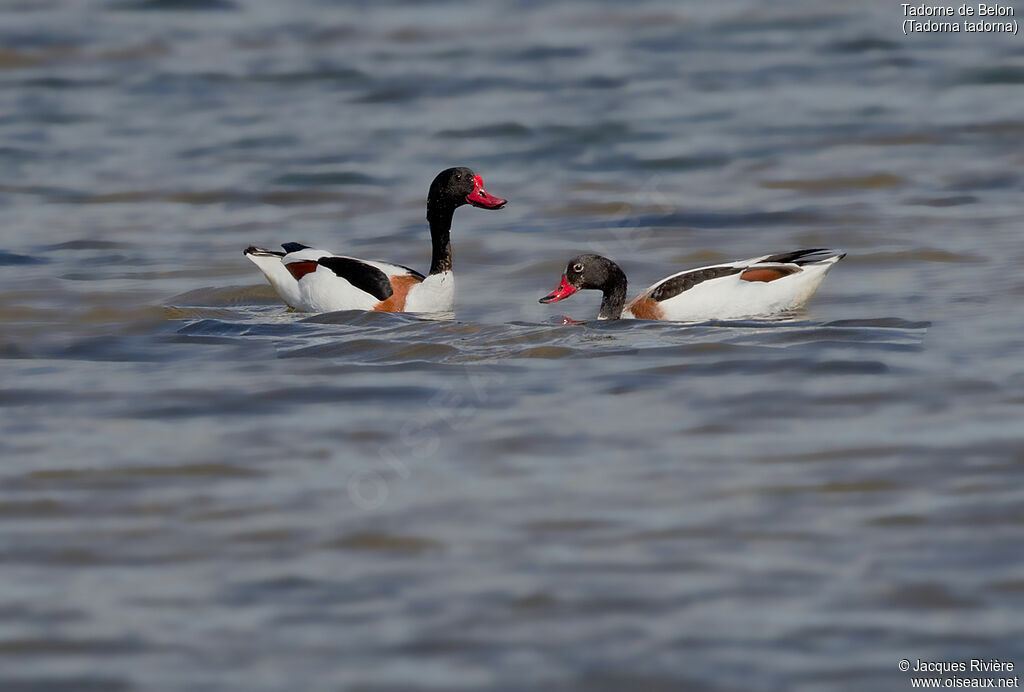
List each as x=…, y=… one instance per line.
x=440, y=218
x=614, y=295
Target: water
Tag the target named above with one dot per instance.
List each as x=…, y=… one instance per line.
x=200, y=490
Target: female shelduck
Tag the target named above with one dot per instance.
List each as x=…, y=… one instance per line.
x=311, y=280
x=749, y=288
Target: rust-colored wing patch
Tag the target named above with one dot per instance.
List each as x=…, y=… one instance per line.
x=646, y=308
x=400, y=285
x=767, y=274
x=300, y=269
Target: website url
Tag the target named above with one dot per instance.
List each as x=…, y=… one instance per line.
x=957, y=683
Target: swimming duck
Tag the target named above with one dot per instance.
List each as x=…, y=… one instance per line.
x=748, y=288
x=311, y=280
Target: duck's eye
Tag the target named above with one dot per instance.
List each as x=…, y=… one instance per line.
x=578, y=268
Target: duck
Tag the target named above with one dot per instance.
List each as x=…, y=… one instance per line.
x=312, y=280
x=755, y=287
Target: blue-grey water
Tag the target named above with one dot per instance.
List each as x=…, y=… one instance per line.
x=201, y=490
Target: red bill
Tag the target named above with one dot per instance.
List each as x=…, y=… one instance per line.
x=564, y=290
x=479, y=197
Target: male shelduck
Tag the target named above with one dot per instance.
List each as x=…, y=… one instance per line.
x=748, y=288
x=311, y=280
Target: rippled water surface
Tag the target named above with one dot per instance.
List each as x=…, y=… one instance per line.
x=202, y=490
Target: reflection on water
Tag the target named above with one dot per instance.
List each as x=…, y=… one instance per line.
x=202, y=486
